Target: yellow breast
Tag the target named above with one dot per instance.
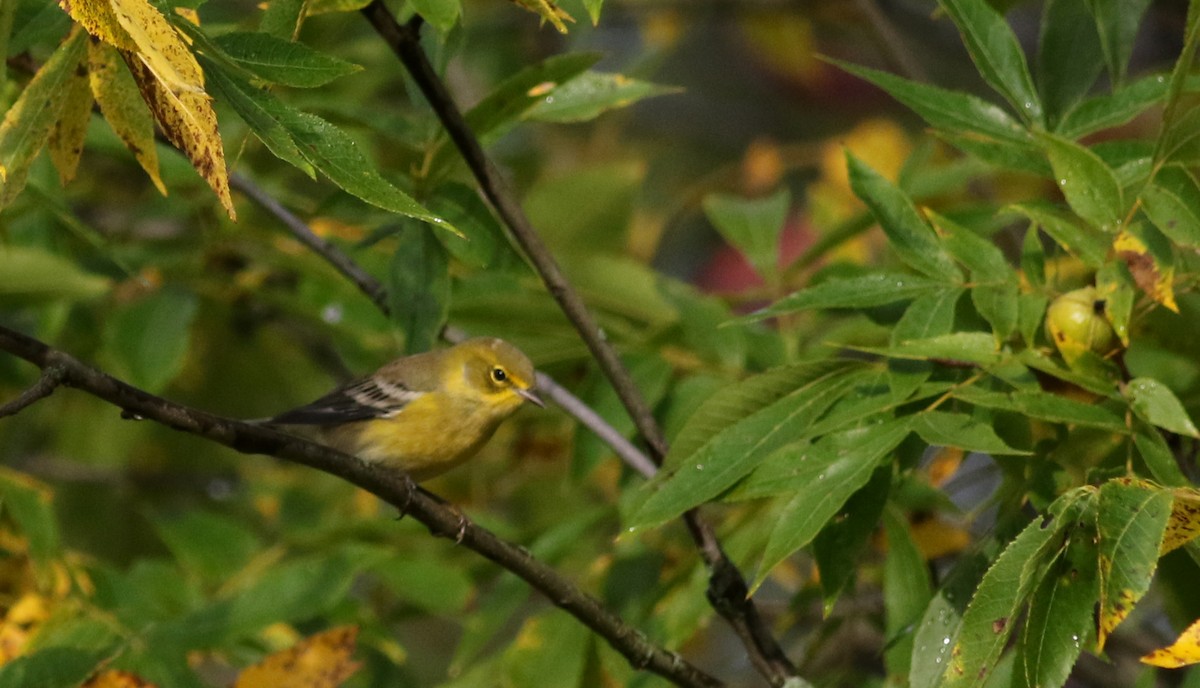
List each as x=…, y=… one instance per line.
x=426, y=438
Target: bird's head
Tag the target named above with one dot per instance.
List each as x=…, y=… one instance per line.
x=495, y=373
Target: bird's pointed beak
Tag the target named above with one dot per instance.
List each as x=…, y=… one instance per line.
x=531, y=397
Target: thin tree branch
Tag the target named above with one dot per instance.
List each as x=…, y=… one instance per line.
x=300, y=229
x=394, y=487
x=405, y=42
x=727, y=591
x=49, y=380
x=368, y=285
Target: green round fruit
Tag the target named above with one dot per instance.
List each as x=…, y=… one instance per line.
x=1077, y=323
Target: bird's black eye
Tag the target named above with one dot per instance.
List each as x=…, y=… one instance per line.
x=499, y=375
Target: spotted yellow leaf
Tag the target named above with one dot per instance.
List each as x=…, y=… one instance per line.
x=170, y=80
x=98, y=17
x=323, y=660
x=188, y=121
x=1152, y=275
x=66, y=138
x=1184, y=651
x=122, y=106
x=159, y=46
x=27, y=124
x=1184, y=524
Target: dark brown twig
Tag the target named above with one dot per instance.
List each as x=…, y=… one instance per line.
x=49, y=380
x=727, y=590
x=392, y=486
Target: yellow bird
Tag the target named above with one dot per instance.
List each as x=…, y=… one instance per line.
x=425, y=413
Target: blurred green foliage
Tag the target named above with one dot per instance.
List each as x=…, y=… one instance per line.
x=836, y=309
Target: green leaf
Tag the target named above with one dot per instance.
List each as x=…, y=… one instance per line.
x=732, y=403
x=282, y=18
x=1178, y=121
x=555, y=652
x=753, y=226
x=940, y=624
x=64, y=652
x=593, y=9
x=1117, y=22
x=928, y=316
x=953, y=111
x=1045, y=406
x=1031, y=309
x=843, y=540
x=996, y=53
x=804, y=465
x=419, y=288
x=737, y=449
x=1089, y=245
x=1117, y=288
x=875, y=289
x=909, y=235
x=968, y=347
x=32, y=275
x=27, y=124
x=148, y=340
x=1157, y=404
x=434, y=586
x=1090, y=186
x=30, y=505
x=1131, y=520
x=1006, y=155
x=990, y=618
x=983, y=258
x=284, y=62
x=483, y=241
x=1060, y=621
x=1113, y=109
x=588, y=95
x=1069, y=57
x=825, y=480
x=907, y=591
x=303, y=139
x=294, y=591
x=999, y=305
x=1172, y=201
x=1157, y=455
x=261, y=115
x=441, y=14
x=509, y=102
x=951, y=429
x=210, y=545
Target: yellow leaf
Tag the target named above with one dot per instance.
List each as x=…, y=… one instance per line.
x=1184, y=651
x=1184, y=524
x=66, y=138
x=159, y=46
x=319, y=661
x=114, y=678
x=548, y=11
x=170, y=80
x=98, y=18
x=28, y=122
x=123, y=108
x=188, y=121
x=1151, y=277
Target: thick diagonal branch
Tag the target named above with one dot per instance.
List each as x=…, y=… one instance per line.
x=392, y=486
x=727, y=587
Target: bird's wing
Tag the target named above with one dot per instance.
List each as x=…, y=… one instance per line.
x=364, y=399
